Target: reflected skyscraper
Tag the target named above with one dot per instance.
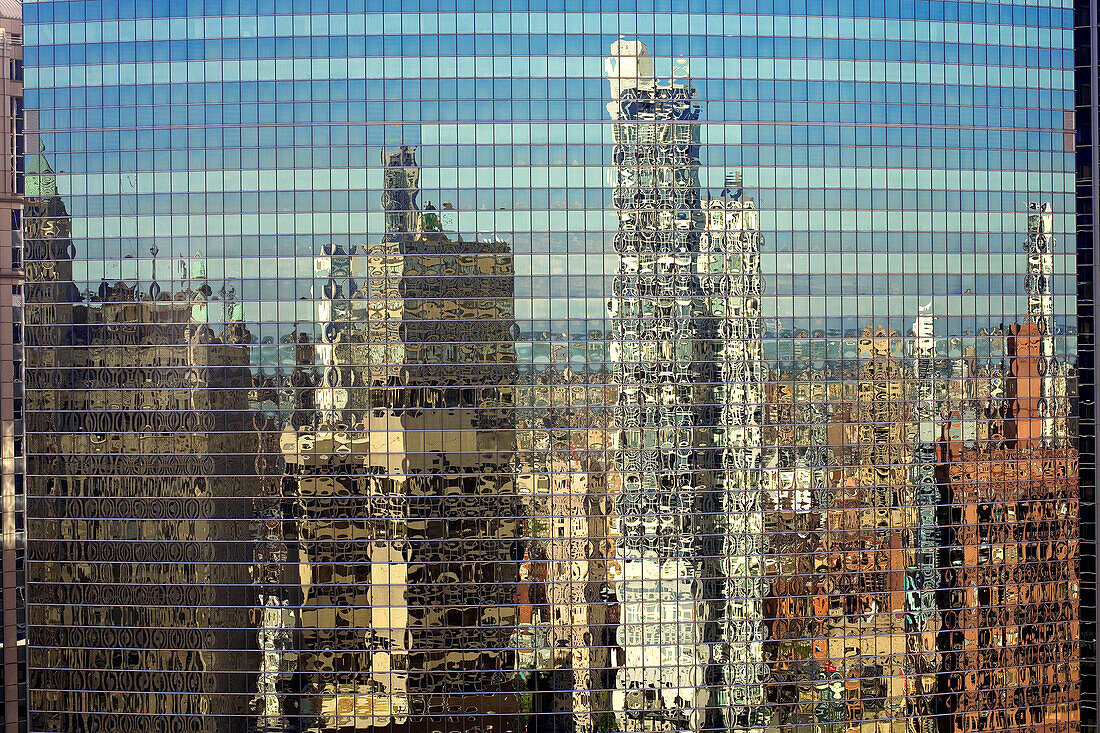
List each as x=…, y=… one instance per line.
x=141, y=562
x=563, y=595
x=663, y=504
x=404, y=491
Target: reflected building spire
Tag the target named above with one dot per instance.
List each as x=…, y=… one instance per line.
x=1047, y=412
x=664, y=505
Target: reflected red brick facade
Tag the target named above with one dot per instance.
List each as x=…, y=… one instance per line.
x=1011, y=616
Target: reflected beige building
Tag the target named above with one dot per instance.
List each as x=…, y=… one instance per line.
x=565, y=641
x=837, y=640
x=403, y=490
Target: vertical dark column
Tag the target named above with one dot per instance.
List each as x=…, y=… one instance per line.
x=1086, y=16
x=12, y=658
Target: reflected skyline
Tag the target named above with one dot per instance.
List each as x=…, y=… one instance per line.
x=630, y=468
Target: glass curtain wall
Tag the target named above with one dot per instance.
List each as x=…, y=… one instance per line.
x=689, y=365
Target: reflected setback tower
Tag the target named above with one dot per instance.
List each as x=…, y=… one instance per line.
x=404, y=490
x=663, y=507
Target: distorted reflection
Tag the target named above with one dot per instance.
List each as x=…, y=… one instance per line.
x=381, y=516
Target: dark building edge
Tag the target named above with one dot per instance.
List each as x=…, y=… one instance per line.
x=1088, y=195
x=13, y=707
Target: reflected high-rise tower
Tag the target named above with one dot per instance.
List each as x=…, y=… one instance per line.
x=458, y=417
x=139, y=569
x=1011, y=598
x=729, y=270
x=404, y=488
x=663, y=505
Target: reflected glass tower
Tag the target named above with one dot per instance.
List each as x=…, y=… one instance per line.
x=421, y=368
x=655, y=313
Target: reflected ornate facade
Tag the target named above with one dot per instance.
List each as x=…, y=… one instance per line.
x=403, y=489
x=137, y=492
x=730, y=280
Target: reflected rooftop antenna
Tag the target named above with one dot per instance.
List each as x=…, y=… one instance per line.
x=734, y=185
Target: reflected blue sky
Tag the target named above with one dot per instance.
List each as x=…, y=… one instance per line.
x=902, y=148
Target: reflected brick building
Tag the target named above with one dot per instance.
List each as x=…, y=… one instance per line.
x=1011, y=592
x=1010, y=601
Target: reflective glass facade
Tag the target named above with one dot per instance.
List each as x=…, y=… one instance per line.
x=456, y=366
